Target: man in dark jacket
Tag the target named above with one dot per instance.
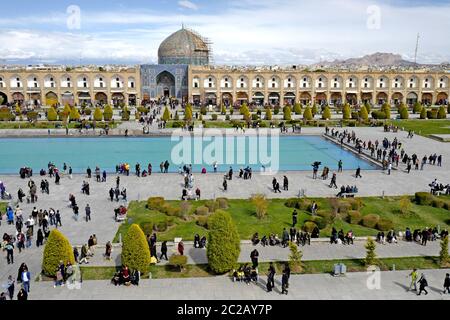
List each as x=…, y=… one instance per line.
x=254, y=255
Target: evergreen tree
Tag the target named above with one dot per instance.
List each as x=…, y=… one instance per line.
x=370, y=252
x=98, y=114
x=307, y=114
x=166, y=115
x=135, y=250
x=57, y=249
x=223, y=247
x=363, y=114
x=443, y=254
x=346, y=113
x=326, y=114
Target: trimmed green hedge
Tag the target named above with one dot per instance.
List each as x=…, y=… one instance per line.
x=354, y=217
x=423, y=198
x=385, y=224
x=370, y=221
x=57, y=249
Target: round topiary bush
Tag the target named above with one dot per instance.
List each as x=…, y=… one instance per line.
x=135, y=250
x=437, y=203
x=423, y=198
x=155, y=203
x=319, y=221
x=202, y=222
x=202, y=211
x=211, y=205
x=224, y=242
x=222, y=203
x=354, y=217
x=57, y=249
x=344, y=207
x=370, y=221
x=385, y=224
x=309, y=226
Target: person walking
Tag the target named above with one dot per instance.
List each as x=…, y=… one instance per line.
x=294, y=218
x=284, y=283
x=58, y=219
x=358, y=173
x=225, y=185
x=270, y=278
x=10, y=252
x=389, y=168
x=181, y=248
x=333, y=181
x=285, y=183
x=340, y=166
x=10, y=287
x=22, y=295
x=88, y=212
x=164, y=251
x=422, y=285
x=26, y=276
x=254, y=255
x=413, y=276
x=447, y=283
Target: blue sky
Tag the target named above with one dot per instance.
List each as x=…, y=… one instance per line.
x=242, y=31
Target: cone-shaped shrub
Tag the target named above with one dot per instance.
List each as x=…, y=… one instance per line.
x=135, y=251
x=57, y=249
x=223, y=247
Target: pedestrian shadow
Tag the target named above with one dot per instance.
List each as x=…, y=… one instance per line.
x=436, y=290
x=198, y=255
x=405, y=287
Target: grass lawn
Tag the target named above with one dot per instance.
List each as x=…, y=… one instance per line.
x=3, y=206
x=279, y=216
x=425, y=127
x=309, y=267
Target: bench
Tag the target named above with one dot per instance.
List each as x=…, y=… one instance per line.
x=121, y=217
x=348, y=195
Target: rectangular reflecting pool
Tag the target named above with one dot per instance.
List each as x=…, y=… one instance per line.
x=288, y=153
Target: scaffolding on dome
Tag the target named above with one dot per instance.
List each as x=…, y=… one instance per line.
x=207, y=41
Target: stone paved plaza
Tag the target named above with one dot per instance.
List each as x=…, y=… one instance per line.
x=373, y=183
x=353, y=286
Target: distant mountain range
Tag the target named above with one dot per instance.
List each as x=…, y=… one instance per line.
x=378, y=59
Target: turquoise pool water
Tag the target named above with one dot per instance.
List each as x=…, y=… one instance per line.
x=289, y=154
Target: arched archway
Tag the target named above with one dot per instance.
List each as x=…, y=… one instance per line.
x=442, y=98
x=165, y=85
x=366, y=97
x=274, y=98
x=51, y=99
x=397, y=98
x=67, y=98
x=336, y=98
x=289, y=98
x=351, y=98
x=211, y=99
x=321, y=99
x=305, y=98
x=84, y=97
x=18, y=98
x=258, y=98
x=227, y=99
x=411, y=98
x=427, y=98
x=118, y=98
x=382, y=98
x=3, y=98
x=101, y=98
x=242, y=97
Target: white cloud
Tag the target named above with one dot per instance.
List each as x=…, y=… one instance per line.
x=246, y=32
x=188, y=4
